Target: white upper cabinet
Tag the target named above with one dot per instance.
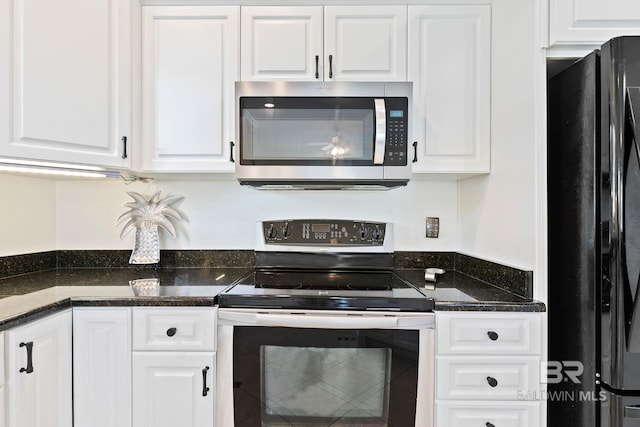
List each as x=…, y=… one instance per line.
x=450, y=67
x=190, y=63
x=68, y=68
x=365, y=43
x=591, y=22
x=360, y=43
x=281, y=43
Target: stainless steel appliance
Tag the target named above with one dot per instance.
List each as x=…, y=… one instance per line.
x=594, y=239
x=327, y=135
x=323, y=332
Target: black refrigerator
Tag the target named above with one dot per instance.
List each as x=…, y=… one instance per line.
x=594, y=239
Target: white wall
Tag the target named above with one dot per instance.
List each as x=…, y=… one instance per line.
x=491, y=217
x=27, y=215
x=220, y=214
x=498, y=212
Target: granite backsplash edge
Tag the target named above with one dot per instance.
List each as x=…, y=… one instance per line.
x=519, y=282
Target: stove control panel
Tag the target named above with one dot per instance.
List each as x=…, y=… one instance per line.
x=324, y=232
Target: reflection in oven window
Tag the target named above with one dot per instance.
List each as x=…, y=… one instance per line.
x=325, y=385
x=310, y=377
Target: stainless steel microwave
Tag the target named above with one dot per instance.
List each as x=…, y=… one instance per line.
x=327, y=135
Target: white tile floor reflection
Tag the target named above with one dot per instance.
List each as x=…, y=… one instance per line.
x=307, y=386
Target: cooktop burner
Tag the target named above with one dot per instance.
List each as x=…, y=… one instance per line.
x=316, y=264
x=379, y=291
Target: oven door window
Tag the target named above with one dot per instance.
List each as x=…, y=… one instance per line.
x=307, y=131
x=311, y=377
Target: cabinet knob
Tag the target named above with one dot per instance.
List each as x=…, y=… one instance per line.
x=488, y=424
x=493, y=336
x=171, y=332
x=492, y=381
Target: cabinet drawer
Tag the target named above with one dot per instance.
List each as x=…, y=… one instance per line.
x=175, y=328
x=480, y=414
x=482, y=333
x=489, y=378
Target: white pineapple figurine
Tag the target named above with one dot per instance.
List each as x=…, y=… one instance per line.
x=146, y=215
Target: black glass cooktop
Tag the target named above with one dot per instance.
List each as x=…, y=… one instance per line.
x=329, y=290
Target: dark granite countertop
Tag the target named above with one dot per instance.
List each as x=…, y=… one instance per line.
x=30, y=296
x=27, y=297
x=455, y=291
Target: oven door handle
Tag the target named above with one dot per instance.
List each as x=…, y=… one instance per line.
x=334, y=321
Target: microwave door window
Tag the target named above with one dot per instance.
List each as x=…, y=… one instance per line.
x=307, y=135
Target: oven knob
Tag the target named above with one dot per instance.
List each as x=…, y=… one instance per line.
x=285, y=230
x=376, y=233
x=271, y=232
x=362, y=231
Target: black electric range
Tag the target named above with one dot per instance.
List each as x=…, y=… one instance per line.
x=325, y=265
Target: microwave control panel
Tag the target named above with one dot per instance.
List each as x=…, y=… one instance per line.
x=324, y=232
x=397, y=131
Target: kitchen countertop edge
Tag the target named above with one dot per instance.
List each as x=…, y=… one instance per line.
x=63, y=303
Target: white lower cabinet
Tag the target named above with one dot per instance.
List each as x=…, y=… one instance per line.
x=487, y=366
x=174, y=368
x=173, y=389
x=38, y=373
x=2, y=408
x=102, y=366
x=488, y=414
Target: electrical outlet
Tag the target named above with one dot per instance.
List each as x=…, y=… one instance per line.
x=433, y=226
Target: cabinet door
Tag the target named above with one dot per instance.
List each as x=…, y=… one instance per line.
x=2, y=404
x=102, y=367
x=190, y=63
x=281, y=43
x=68, y=63
x=577, y=22
x=173, y=389
x=366, y=43
x=39, y=387
x=450, y=70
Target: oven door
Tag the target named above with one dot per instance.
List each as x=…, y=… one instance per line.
x=324, y=368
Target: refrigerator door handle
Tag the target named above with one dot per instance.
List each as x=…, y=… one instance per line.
x=632, y=106
x=633, y=109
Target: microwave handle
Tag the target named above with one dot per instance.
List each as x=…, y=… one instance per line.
x=381, y=131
